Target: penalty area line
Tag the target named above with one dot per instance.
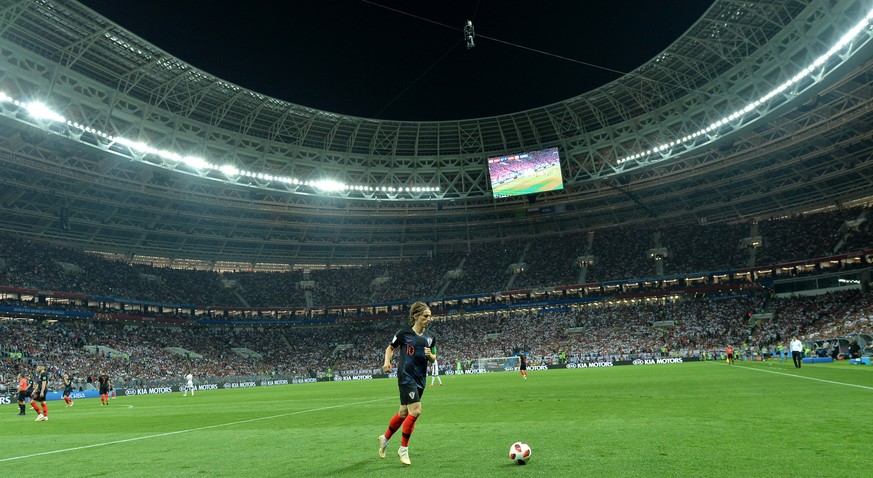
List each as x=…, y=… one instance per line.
x=189, y=430
x=865, y=387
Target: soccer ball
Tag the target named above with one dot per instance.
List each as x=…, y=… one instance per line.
x=519, y=452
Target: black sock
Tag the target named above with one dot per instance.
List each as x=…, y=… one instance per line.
x=21, y=407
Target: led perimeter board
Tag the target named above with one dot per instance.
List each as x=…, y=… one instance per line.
x=525, y=173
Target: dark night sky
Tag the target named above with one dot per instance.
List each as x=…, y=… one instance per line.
x=406, y=59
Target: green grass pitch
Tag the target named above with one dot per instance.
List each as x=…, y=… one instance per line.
x=693, y=419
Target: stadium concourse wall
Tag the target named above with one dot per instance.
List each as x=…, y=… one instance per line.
x=122, y=392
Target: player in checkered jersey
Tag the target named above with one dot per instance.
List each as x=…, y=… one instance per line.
x=414, y=345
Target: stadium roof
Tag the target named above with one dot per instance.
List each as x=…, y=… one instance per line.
x=401, y=60
x=629, y=155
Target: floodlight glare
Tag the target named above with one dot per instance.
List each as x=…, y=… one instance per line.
x=41, y=111
x=196, y=162
x=328, y=185
x=137, y=148
x=843, y=41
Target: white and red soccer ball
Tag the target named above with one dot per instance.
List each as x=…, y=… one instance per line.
x=519, y=452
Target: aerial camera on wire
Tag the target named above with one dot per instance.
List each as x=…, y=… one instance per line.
x=469, y=34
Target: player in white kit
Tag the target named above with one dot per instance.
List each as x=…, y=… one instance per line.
x=189, y=386
x=435, y=371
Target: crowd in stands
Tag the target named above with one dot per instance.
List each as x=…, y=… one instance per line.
x=551, y=260
x=860, y=236
x=421, y=277
x=347, y=285
x=36, y=265
x=801, y=237
x=829, y=315
x=620, y=253
x=694, y=324
x=266, y=289
x=589, y=333
x=714, y=247
x=141, y=354
x=485, y=268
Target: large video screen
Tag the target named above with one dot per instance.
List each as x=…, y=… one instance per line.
x=525, y=173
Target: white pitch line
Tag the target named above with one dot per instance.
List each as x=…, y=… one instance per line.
x=177, y=432
x=808, y=378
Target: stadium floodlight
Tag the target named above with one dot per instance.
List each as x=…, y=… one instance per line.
x=196, y=163
x=40, y=111
x=752, y=106
x=328, y=185
x=138, y=150
x=172, y=156
x=229, y=170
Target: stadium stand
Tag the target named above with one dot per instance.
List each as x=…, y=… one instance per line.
x=694, y=231
x=611, y=332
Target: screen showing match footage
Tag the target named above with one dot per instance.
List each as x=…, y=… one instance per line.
x=525, y=173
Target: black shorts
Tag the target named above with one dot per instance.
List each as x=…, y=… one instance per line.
x=33, y=397
x=104, y=390
x=730, y=356
x=410, y=394
x=67, y=392
x=22, y=395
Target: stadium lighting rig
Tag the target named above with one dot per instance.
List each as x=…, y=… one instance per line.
x=46, y=117
x=735, y=117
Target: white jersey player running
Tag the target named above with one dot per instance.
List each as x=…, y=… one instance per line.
x=435, y=371
x=189, y=386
